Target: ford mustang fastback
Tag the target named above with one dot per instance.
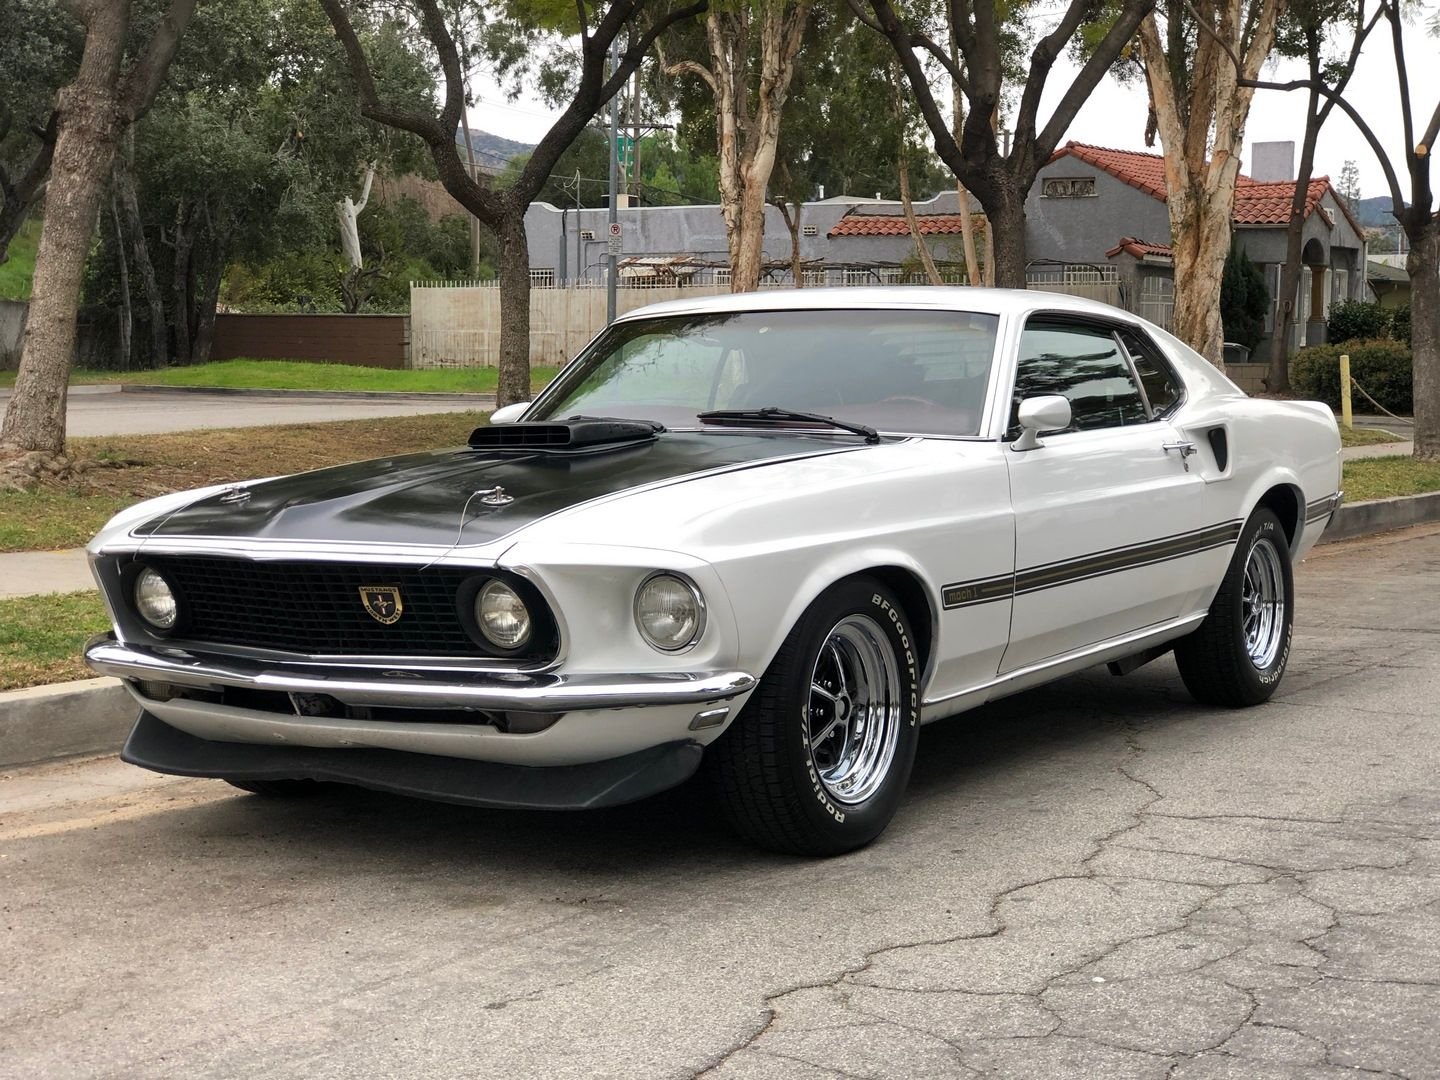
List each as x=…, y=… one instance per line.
x=766, y=537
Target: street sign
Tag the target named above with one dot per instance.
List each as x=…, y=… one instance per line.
x=617, y=238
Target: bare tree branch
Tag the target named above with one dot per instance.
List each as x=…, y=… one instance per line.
x=691, y=67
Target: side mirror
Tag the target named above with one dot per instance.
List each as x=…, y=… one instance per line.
x=1051, y=412
x=510, y=413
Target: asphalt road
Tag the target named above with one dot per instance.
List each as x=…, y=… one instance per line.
x=1095, y=880
x=112, y=413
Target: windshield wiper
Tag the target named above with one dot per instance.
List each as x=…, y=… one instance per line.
x=775, y=414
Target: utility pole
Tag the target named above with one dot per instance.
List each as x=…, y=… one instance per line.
x=614, y=180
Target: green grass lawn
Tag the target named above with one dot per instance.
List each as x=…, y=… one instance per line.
x=17, y=271
x=1368, y=437
x=41, y=637
x=303, y=375
x=1386, y=477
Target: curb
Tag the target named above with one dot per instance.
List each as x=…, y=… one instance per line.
x=1381, y=515
x=477, y=398
x=91, y=716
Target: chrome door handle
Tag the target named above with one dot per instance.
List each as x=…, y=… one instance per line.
x=1185, y=449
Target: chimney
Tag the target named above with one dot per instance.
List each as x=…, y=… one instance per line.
x=1274, y=161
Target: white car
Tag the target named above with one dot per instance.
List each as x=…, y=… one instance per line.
x=768, y=534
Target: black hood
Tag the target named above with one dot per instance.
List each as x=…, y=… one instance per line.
x=417, y=498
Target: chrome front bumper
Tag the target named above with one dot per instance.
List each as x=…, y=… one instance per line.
x=508, y=692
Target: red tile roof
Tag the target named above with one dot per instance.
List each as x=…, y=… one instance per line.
x=860, y=224
x=1144, y=171
x=1256, y=203
x=1139, y=248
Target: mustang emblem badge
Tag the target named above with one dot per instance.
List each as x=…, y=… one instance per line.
x=382, y=602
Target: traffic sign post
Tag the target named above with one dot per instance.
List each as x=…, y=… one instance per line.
x=616, y=238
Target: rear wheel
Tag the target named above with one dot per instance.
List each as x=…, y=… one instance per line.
x=818, y=760
x=278, y=789
x=1239, y=653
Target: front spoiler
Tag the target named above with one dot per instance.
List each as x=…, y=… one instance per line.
x=157, y=746
x=508, y=692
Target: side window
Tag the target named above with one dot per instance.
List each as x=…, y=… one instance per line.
x=1085, y=365
x=1161, y=387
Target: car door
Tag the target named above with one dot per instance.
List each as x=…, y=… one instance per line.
x=1108, y=511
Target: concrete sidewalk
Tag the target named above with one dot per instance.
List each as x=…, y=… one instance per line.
x=35, y=573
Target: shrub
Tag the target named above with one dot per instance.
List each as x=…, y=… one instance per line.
x=1400, y=323
x=1244, y=300
x=1352, y=319
x=1384, y=368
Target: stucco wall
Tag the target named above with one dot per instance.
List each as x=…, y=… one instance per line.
x=1081, y=230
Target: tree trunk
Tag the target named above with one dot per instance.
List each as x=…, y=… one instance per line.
x=750, y=234
x=144, y=266
x=127, y=317
x=180, y=306
x=1423, y=263
x=1277, y=380
x=792, y=225
x=514, y=313
x=902, y=167
x=1006, y=239
x=210, y=300
x=84, y=150
x=1200, y=242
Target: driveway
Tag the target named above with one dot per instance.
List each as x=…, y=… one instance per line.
x=106, y=411
x=1099, y=879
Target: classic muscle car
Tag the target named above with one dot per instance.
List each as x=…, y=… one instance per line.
x=769, y=534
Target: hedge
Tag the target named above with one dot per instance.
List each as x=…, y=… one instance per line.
x=1383, y=367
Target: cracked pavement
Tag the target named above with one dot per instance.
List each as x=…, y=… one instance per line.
x=1095, y=879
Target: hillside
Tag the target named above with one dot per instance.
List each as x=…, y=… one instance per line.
x=491, y=151
x=1374, y=212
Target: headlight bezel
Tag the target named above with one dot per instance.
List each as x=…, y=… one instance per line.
x=543, y=642
x=696, y=596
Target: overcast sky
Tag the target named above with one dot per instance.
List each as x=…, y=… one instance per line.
x=1115, y=115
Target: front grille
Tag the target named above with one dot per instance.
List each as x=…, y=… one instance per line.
x=316, y=608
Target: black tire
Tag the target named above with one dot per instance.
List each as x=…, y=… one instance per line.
x=1216, y=661
x=278, y=789
x=771, y=786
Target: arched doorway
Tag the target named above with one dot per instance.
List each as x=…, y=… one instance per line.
x=1314, y=285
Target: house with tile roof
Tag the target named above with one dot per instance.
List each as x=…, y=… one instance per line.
x=1096, y=211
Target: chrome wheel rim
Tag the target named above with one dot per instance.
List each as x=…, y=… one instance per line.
x=1262, y=604
x=853, y=713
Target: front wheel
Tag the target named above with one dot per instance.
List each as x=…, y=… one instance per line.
x=818, y=760
x=1239, y=653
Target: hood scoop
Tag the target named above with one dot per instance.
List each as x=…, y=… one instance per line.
x=578, y=434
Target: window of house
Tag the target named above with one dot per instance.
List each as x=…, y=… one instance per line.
x=1085, y=365
x=1342, y=285
x=542, y=279
x=1068, y=187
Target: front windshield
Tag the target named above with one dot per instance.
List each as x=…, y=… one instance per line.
x=913, y=371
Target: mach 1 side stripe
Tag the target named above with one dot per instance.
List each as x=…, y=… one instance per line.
x=1321, y=508
x=1111, y=561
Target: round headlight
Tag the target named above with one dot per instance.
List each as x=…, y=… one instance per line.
x=502, y=615
x=669, y=612
x=155, y=600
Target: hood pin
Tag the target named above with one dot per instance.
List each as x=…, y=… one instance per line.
x=496, y=497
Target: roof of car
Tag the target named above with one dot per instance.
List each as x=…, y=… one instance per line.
x=895, y=297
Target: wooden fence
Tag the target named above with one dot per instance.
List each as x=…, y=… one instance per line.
x=367, y=340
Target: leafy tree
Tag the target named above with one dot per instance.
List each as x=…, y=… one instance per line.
x=1199, y=106
x=987, y=38
x=1305, y=31
x=1244, y=300
x=1348, y=186
x=511, y=35
x=748, y=60
x=39, y=53
x=1415, y=214
x=93, y=111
